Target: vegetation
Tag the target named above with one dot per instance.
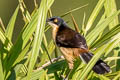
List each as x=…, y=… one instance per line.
x=34, y=56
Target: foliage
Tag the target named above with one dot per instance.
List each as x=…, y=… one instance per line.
x=31, y=57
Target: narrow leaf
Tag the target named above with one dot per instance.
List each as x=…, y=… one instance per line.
x=42, y=15
x=94, y=14
x=1, y=70
x=107, y=36
x=10, y=27
x=99, y=28
x=110, y=8
x=68, y=12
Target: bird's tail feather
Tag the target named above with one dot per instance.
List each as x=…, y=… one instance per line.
x=100, y=67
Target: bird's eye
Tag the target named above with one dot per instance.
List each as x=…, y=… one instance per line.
x=55, y=20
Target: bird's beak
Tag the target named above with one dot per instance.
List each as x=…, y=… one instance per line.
x=51, y=23
x=48, y=21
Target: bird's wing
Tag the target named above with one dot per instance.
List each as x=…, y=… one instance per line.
x=70, y=39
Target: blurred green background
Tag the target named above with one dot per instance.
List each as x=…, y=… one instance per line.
x=25, y=43
x=59, y=7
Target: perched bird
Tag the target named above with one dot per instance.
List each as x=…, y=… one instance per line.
x=73, y=45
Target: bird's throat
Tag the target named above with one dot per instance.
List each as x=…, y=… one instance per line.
x=54, y=32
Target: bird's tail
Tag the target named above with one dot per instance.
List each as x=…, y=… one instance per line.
x=100, y=67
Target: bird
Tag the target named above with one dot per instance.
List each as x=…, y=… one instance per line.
x=72, y=45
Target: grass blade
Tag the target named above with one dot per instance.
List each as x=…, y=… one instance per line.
x=25, y=13
x=99, y=28
x=94, y=14
x=73, y=10
x=1, y=70
x=42, y=15
x=115, y=40
x=22, y=40
x=2, y=25
x=4, y=40
x=22, y=54
x=10, y=27
x=107, y=36
x=110, y=8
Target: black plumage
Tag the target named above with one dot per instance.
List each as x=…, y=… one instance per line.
x=100, y=67
x=66, y=37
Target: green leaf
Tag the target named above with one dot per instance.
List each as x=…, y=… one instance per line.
x=42, y=15
x=103, y=78
x=115, y=40
x=94, y=14
x=68, y=12
x=10, y=26
x=112, y=58
x=110, y=8
x=22, y=54
x=25, y=13
x=107, y=36
x=22, y=40
x=117, y=77
x=36, y=75
x=5, y=40
x=1, y=70
x=99, y=28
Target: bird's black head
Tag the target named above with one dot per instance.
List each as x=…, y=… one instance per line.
x=55, y=21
